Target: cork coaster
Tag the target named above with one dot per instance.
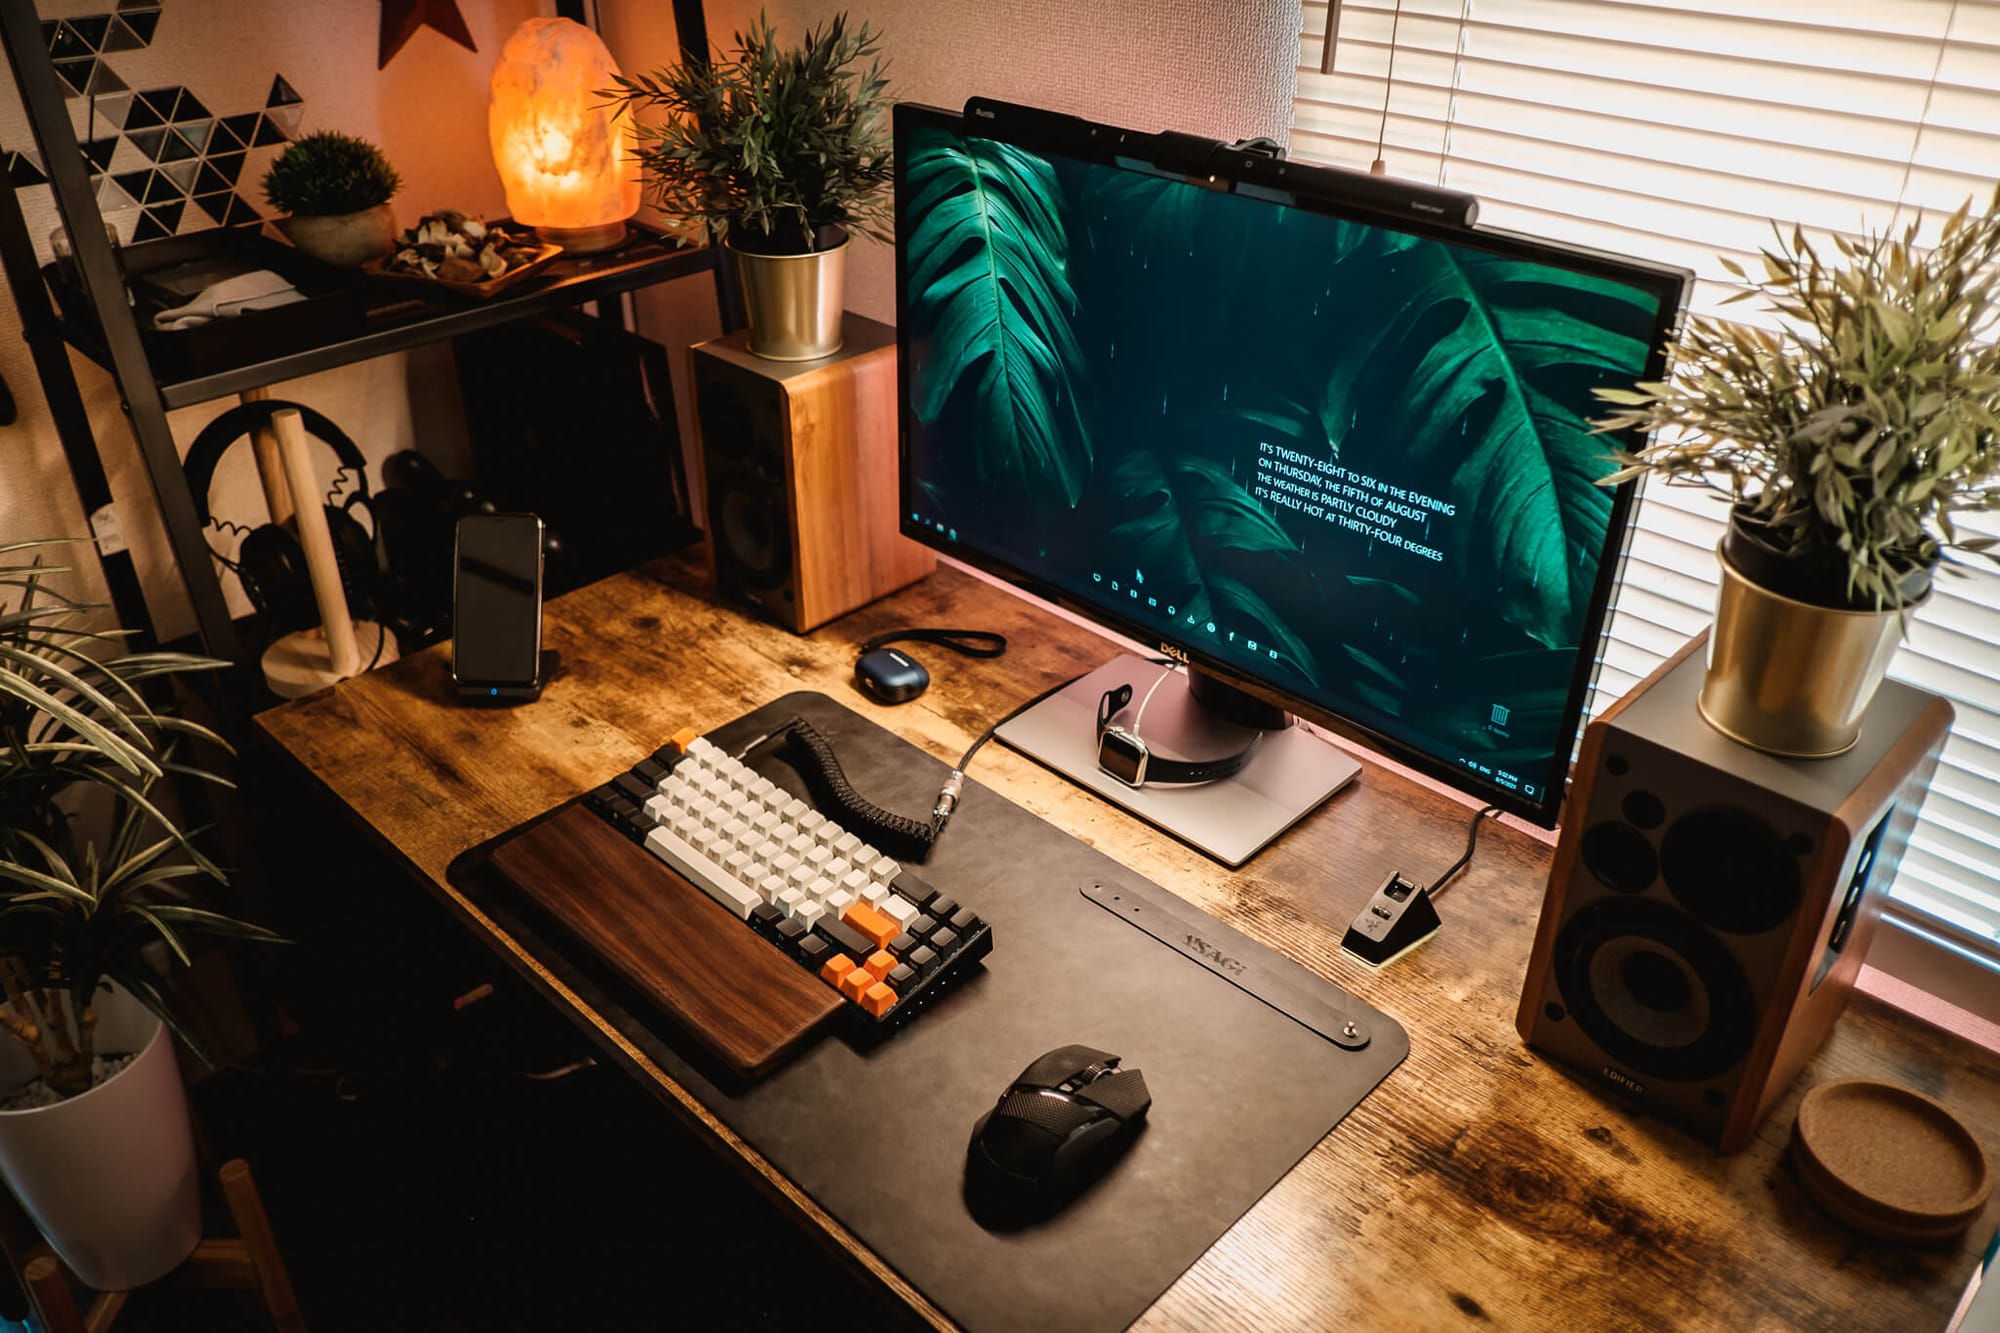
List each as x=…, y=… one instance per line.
x=1889, y=1161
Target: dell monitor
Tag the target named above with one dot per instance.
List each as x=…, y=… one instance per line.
x=1314, y=434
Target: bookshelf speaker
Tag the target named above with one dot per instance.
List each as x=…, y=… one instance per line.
x=799, y=466
x=1710, y=905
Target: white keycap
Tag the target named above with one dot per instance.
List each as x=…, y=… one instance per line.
x=704, y=873
x=684, y=823
x=738, y=863
x=873, y=894
x=800, y=876
x=768, y=850
x=810, y=822
x=899, y=909
x=776, y=799
x=800, y=845
x=838, y=902
x=700, y=748
x=765, y=822
x=658, y=809
x=783, y=862
x=794, y=809
x=828, y=834
x=770, y=887
x=846, y=844
x=819, y=889
x=761, y=786
x=734, y=831
x=818, y=856
x=808, y=914
x=788, y=901
x=740, y=776
x=673, y=786
x=838, y=868
x=855, y=881
x=782, y=832
x=885, y=869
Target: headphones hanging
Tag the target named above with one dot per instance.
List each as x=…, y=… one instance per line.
x=270, y=562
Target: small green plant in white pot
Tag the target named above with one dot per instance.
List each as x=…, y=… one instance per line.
x=94, y=1136
x=335, y=190
x=1845, y=438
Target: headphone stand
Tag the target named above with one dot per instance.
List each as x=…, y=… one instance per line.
x=339, y=646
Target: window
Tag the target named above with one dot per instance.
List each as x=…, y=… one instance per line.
x=1678, y=131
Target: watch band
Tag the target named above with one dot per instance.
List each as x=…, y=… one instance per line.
x=1157, y=769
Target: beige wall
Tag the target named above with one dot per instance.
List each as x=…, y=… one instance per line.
x=427, y=111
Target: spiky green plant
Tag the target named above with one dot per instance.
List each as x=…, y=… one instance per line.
x=74, y=912
x=329, y=173
x=1852, y=432
x=770, y=144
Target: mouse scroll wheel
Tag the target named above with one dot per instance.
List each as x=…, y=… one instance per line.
x=1096, y=1070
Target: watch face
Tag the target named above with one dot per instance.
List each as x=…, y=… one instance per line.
x=1123, y=756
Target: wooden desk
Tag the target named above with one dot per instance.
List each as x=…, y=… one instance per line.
x=1479, y=1184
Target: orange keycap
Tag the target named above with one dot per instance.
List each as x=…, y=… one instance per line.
x=683, y=738
x=836, y=969
x=879, y=927
x=878, y=999
x=857, y=983
x=880, y=962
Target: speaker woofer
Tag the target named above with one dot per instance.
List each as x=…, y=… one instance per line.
x=1731, y=870
x=1655, y=991
x=754, y=543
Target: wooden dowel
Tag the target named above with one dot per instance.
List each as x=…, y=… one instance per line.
x=49, y=1289
x=248, y=1209
x=318, y=544
x=270, y=470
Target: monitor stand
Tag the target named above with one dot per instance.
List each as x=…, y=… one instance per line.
x=1231, y=820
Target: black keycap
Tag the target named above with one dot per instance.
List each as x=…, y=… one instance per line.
x=922, y=924
x=900, y=976
x=941, y=906
x=912, y=889
x=944, y=940
x=845, y=938
x=650, y=771
x=924, y=959
x=636, y=825
x=668, y=757
x=813, y=951
x=639, y=792
x=902, y=944
x=764, y=919
x=620, y=808
x=601, y=796
x=790, y=931
x=963, y=921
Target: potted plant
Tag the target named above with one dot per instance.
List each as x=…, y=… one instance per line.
x=94, y=1137
x=781, y=154
x=1845, y=437
x=336, y=190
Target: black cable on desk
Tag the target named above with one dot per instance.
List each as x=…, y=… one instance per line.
x=1471, y=839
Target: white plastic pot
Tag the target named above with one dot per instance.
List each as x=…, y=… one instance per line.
x=108, y=1176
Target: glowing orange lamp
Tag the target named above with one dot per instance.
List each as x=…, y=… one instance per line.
x=563, y=157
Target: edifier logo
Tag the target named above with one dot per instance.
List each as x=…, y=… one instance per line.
x=1625, y=1081
x=1175, y=653
x=1215, y=955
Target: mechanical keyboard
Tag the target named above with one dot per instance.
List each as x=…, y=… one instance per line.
x=862, y=922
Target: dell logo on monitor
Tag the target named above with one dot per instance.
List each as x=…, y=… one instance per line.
x=1168, y=650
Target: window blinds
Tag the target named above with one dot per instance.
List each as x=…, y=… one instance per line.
x=1677, y=132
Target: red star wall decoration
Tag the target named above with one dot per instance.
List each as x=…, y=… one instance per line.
x=402, y=18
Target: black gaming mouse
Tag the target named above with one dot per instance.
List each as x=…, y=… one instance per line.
x=1052, y=1133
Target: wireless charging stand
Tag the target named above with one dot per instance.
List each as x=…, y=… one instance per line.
x=1290, y=774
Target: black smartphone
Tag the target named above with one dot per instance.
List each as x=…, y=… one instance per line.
x=496, y=598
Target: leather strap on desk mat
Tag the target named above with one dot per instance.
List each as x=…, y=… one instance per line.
x=877, y=1137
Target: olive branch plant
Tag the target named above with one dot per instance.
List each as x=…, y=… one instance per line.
x=77, y=911
x=1856, y=428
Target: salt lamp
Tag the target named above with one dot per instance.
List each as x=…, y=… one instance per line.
x=561, y=151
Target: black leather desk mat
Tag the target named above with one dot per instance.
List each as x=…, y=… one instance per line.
x=878, y=1137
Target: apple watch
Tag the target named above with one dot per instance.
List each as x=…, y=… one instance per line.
x=1123, y=753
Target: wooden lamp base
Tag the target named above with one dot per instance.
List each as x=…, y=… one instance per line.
x=302, y=661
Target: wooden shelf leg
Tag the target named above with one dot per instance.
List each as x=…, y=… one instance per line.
x=247, y=1207
x=48, y=1288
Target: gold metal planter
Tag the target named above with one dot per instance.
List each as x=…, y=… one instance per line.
x=1788, y=677
x=794, y=302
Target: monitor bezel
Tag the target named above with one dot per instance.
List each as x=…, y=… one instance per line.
x=1316, y=189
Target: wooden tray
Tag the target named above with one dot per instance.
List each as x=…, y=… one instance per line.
x=380, y=268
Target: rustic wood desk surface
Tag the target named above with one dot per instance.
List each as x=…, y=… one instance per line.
x=1480, y=1184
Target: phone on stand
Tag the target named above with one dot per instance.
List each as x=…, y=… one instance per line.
x=496, y=598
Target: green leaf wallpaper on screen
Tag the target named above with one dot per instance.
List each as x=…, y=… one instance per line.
x=1355, y=460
